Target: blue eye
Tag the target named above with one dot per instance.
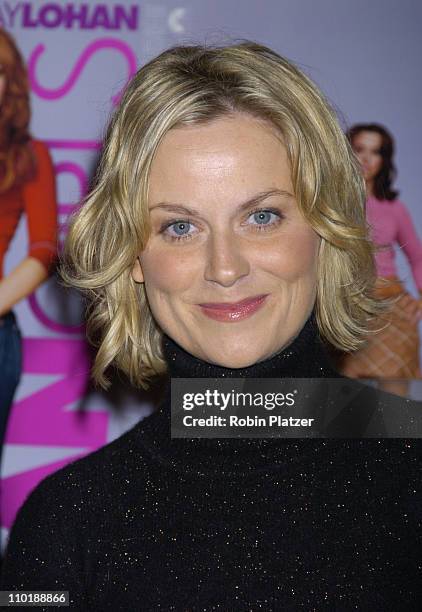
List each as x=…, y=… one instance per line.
x=264, y=220
x=177, y=230
x=182, y=226
x=262, y=217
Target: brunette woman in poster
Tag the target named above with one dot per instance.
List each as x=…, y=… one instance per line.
x=391, y=355
x=27, y=185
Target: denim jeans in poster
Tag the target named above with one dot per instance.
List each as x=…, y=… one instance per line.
x=10, y=368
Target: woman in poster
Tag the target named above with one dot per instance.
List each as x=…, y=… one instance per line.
x=27, y=186
x=391, y=355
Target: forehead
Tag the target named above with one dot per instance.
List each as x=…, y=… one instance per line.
x=370, y=139
x=228, y=154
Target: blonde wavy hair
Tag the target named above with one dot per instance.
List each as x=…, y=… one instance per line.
x=188, y=85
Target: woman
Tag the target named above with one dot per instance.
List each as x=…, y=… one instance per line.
x=26, y=185
x=392, y=355
x=225, y=236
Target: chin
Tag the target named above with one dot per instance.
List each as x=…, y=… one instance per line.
x=234, y=364
x=234, y=360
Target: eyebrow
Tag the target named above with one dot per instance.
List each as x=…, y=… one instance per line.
x=180, y=208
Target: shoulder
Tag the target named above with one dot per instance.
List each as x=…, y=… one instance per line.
x=39, y=147
x=369, y=412
x=41, y=152
x=111, y=459
x=373, y=201
x=90, y=480
x=398, y=206
x=66, y=510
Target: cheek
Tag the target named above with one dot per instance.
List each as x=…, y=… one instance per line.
x=378, y=163
x=294, y=257
x=166, y=271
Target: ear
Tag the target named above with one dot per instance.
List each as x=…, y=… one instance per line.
x=137, y=274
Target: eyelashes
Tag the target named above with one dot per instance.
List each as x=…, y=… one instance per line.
x=259, y=227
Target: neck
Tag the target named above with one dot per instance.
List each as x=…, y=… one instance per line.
x=304, y=357
x=211, y=457
x=369, y=188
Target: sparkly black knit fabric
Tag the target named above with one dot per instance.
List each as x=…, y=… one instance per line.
x=153, y=523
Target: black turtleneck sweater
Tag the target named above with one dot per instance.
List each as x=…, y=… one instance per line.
x=153, y=523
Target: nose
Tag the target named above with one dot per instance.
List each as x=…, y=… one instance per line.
x=227, y=260
x=363, y=157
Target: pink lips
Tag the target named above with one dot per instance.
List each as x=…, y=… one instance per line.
x=234, y=311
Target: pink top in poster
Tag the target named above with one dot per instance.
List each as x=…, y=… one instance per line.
x=392, y=224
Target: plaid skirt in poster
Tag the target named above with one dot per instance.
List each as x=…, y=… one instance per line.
x=391, y=353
